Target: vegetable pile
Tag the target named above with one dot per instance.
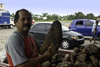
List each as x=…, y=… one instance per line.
x=81, y=57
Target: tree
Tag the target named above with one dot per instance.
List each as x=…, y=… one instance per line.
x=60, y=17
x=45, y=14
x=99, y=16
x=49, y=17
x=36, y=16
x=79, y=15
x=95, y=18
x=12, y=15
x=54, y=16
x=71, y=17
x=90, y=16
x=7, y=11
x=65, y=17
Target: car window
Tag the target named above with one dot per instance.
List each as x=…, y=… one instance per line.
x=33, y=28
x=48, y=26
x=40, y=27
x=88, y=23
x=71, y=22
x=64, y=28
x=79, y=23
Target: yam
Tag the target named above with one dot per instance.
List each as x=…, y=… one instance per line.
x=53, y=38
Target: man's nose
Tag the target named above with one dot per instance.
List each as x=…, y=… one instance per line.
x=26, y=21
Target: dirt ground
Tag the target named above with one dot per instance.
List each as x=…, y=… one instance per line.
x=4, y=34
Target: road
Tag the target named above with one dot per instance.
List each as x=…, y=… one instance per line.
x=4, y=34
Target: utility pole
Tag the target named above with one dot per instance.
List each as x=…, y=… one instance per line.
x=44, y=8
x=44, y=17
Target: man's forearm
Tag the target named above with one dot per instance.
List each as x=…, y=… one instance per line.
x=32, y=62
x=94, y=30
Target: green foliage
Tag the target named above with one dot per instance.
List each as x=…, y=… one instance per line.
x=90, y=16
x=7, y=11
x=95, y=18
x=71, y=17
x=12, y=15
x=54, y=16
x=99, y=16
x=78, y=15
x=45, y=14
x=64, y=18
x=49, y=17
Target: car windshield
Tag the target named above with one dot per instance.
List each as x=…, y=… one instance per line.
x=64, y=28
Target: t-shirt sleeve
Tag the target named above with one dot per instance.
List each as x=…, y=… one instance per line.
x=15, y=49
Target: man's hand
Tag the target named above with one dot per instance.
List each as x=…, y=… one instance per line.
x=48, y=53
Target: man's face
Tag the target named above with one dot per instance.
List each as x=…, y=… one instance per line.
x=24, y=22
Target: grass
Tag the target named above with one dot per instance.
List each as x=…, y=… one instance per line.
x=51, y=20
x=44, y=20
x=66, y=20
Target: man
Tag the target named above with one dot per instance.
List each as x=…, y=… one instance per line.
x=94, y=31
x=21, y=48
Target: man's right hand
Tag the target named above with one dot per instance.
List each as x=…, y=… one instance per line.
x=48, y=53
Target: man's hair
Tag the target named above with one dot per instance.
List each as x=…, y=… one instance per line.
x=96, y=21
x=17, y=14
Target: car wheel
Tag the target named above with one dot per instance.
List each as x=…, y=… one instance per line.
x=65, y=44
x=11, y=26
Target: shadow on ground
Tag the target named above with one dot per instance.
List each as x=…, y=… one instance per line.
x=89, y=38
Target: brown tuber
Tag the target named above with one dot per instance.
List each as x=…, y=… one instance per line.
x=53, y=38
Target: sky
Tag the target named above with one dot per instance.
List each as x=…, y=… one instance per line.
x=59, y=7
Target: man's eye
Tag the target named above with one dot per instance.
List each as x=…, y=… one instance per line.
x=28, y=19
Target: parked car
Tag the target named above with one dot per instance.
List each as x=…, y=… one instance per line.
x=33, y=21
x=84, y=26
x=70, y=38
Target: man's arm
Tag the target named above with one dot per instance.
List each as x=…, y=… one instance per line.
x=15, y=49
x=34, y=61
x=95, y=29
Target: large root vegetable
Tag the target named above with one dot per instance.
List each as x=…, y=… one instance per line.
x=53, y=38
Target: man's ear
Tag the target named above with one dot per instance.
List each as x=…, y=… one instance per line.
x=15, y=22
